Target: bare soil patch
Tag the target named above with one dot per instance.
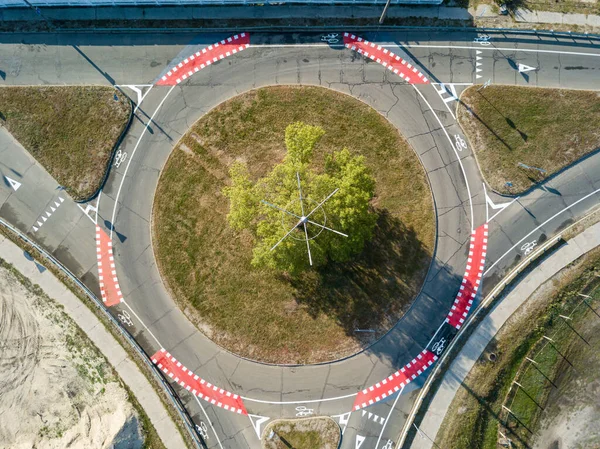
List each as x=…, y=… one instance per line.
x=56, y=390
x=69, y=130
x=263, y=314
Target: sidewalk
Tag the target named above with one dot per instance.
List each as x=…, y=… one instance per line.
x=233, y=12
x=104, y=341
x=491, y=324
x=525, y=16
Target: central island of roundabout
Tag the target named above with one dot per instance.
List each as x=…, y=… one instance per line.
x=242, y=264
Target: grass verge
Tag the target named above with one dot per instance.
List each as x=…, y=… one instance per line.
x=306, y=433
x=538, y=127
x=476, y=413
x=262, y=314
x=152, y=441
x=70, y=130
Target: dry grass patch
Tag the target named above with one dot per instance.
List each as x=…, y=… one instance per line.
x=475, y=414
x=545, y=128
x=69, y=130
x=262, y=314
x=306, y=433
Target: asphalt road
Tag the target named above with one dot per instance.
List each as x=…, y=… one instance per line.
x=424, y=115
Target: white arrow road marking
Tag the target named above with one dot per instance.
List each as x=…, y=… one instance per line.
x=359, y=441
x=256, y=424
x=139, y=90
x=526, y=68
x=489, y=203
x=14, y=184
x=344, y=419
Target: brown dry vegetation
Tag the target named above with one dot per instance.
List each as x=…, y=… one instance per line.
x=262, y=314
x=69, y=130
x=540, y=127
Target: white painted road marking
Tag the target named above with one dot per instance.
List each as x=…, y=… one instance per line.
x=543, y=224
x=359, y=441
x=14, y=184
x=139, y=90
x=526, y=68
x=462, y=168
x=344, y=419
x=256, y=424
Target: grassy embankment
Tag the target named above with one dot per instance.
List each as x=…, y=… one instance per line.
x=539, y=127
x=476, y=415
x=69, y=130
x=262, y=314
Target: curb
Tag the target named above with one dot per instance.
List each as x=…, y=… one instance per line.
x=113, y=153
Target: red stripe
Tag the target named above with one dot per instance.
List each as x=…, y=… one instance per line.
x=396, y=381
x=107, y=274
x=204, y=58
x=204, y=390
x=401, y=67
x=471, y=279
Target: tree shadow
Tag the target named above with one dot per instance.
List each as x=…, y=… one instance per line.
x=375, y=288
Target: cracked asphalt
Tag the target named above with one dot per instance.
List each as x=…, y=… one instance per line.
x=420, y=113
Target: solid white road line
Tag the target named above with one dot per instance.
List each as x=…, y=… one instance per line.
x=543, y=224
x=260, y=401
x=462, y=168
x=450, y=47
x=209, y=421
x=388, y=417
x=142, y=323
x=114, y=213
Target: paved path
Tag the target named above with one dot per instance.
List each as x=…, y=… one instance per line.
x=424, y=114
x=104, y=341
x=472, y=350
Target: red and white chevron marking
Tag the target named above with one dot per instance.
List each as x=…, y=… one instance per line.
x=395, y=382
x=386, y=58
x=191, y=382
x=107, y=274
x=204, y=58
x=472, y=278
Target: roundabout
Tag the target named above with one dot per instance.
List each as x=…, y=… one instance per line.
x=209, y=265
x=478, y=233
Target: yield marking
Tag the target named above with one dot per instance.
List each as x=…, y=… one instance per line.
x=44, y=218
x=374, y=417
x=14, y=184
x=256, y=424
x=526, y=68
x=139, y=90
x=359, y=441
x=344, y=419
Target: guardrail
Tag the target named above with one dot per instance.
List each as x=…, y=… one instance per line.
x=190, y=426
x=487, y=300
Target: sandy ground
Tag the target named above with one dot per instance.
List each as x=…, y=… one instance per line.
x=56, y=391
x=571, y=419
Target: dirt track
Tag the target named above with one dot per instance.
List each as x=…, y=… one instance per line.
x=56, y=391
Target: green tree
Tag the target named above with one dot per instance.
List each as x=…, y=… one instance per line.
x=346, y=211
